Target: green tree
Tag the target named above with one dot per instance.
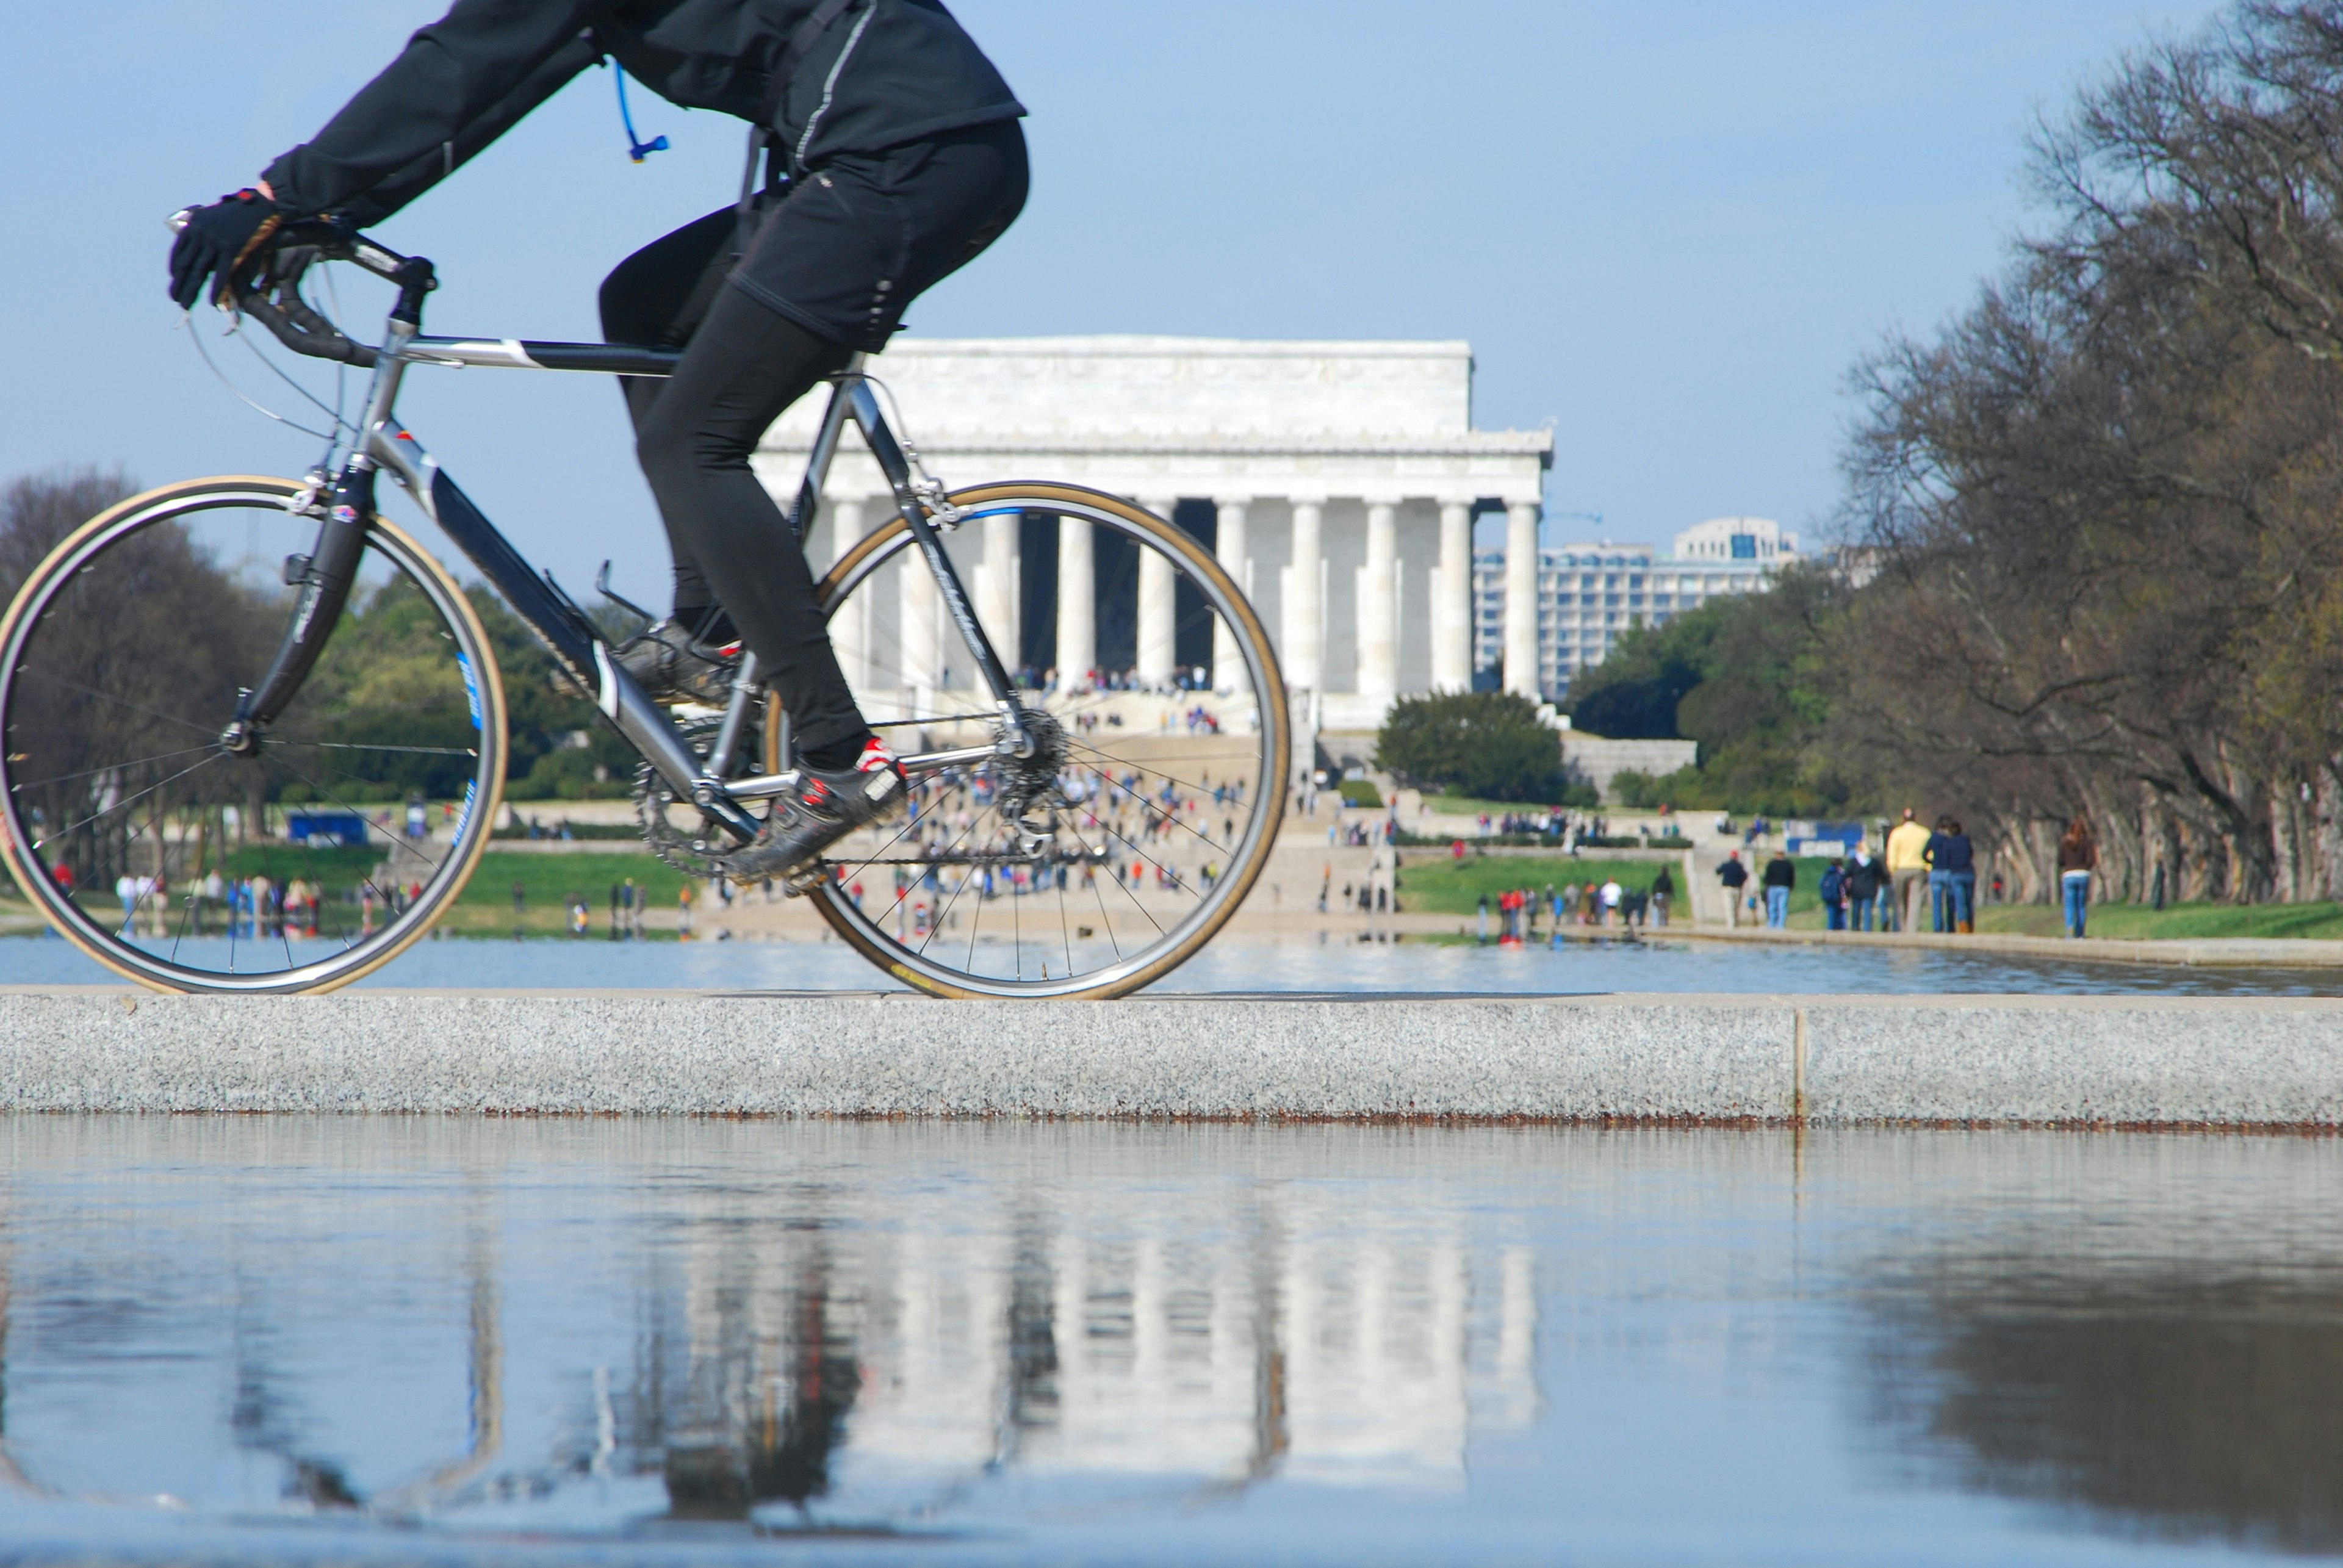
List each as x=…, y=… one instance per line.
x=1484, y=743
x=544, y=712
x=1747, y=677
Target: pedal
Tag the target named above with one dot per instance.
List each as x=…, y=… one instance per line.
x=804, y=879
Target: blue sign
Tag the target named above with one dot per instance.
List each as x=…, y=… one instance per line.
x=328, y=830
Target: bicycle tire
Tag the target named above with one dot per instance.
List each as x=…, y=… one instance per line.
x=84, y=551
x=1257, y=655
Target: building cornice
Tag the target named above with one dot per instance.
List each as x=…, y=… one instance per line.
x=1470, y=443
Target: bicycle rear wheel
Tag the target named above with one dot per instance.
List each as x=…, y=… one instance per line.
x=171, y=860
x=1118, y=852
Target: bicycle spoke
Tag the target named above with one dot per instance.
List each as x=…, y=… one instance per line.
x=1105, y=923
x=1162, y=815
x=109, y=768
x=333, y=799
x=49, y=838
x=401, y=750
x=1141, y=765
x=123, y=702
x=940, y=885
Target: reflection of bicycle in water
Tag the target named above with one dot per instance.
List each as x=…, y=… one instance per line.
x=161, y=695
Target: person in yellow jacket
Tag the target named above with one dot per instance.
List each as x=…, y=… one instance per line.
x=1907, y=867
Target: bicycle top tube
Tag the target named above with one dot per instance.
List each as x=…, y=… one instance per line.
x=530, y=354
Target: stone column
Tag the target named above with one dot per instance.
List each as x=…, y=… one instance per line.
x=1306, y=599
x=1522, y=598
x=1229, y=548
x=1378, y=625
x=996, y=586
x=1452, y=603
x=849, y=631
x=1077, y=603
x=1157, y=606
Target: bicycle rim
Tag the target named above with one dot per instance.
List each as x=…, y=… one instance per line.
x=1166, y=803
x=184, y=867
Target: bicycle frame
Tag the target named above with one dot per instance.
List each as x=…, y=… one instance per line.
x=346, y=498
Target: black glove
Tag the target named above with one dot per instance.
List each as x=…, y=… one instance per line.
x=216, y=241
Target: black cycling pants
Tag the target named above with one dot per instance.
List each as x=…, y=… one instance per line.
x=831, y=270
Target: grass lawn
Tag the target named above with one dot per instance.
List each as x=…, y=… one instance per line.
x=549, y=881
x=2173, y=922
x=1431, y=883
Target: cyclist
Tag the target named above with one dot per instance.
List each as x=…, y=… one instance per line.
x=892, y=156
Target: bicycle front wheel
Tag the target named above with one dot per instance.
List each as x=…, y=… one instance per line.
x=171, y=860
x=1151, y=803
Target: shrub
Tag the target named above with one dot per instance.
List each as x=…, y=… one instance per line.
x=1488, y=744
x=1360, y=792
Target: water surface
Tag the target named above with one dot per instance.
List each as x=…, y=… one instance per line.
x=358, y=1339
x=1245, y=963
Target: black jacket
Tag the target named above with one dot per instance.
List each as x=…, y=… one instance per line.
x=1949, y=852
x=1781, y=874
x=884, y=72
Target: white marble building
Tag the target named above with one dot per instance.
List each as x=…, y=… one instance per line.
x=1337, y=481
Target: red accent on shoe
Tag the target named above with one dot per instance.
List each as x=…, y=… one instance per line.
x=875, y=756
x=729, y=650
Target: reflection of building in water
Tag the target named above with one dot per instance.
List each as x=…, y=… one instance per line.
x=747, y=1378
x=1106, y=1339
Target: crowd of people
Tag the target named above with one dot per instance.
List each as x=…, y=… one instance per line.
x=255, y=906
x=1609, y=903
x=1125, y=829
x=1925, y=879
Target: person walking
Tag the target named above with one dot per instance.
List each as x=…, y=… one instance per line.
x=1908, y=873
x=1952, y=877
x=1781, y=876
x=2078, y=856
x=1664, y=893
x=1833, y=889
x=1736, y=876
x=1863, y=878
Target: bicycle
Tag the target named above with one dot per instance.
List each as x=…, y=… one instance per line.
x=1021, y=869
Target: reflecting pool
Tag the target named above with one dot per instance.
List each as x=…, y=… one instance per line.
x=1251, y=963
x=373, y=1339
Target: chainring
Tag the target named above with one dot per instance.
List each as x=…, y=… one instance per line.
x=678, y=846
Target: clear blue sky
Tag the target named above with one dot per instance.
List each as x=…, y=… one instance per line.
x=1669, y=230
